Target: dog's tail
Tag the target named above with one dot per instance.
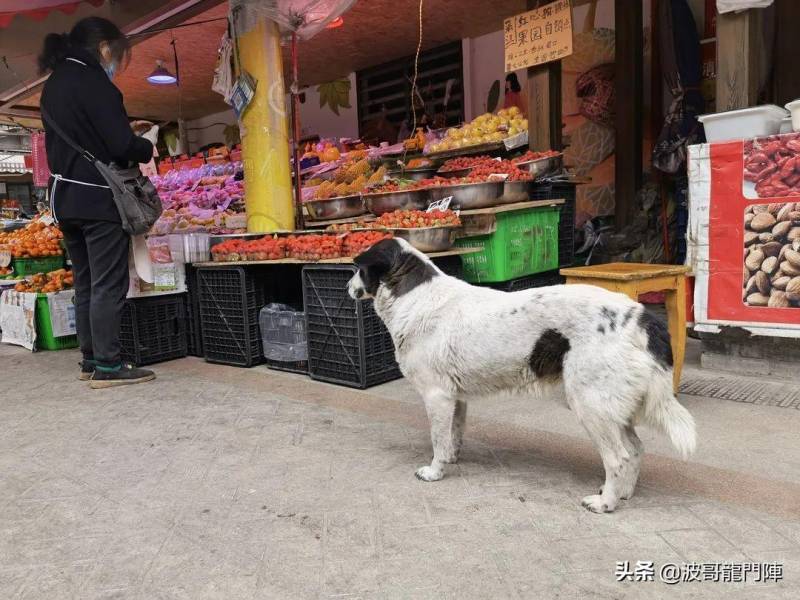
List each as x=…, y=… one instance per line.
x=662, y=411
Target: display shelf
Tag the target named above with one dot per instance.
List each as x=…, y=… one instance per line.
x=329, y=261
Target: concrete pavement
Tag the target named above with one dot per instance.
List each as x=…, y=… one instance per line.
x=218, y=482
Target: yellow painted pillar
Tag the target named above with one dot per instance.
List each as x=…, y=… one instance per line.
x=264, y=128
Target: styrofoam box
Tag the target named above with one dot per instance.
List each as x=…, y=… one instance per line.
x=794, y=109
x=758, y=121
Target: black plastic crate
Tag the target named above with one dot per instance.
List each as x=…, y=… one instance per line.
x=566, y=223
x=531, y=281
x=193, y=330
x=299, y=366
x=153, y=330
x=450, y=265
x=229, y=301
x=347, y=342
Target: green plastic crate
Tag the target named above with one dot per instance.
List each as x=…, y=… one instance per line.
x=32, y=266
x=525, y=242
x=44, y=329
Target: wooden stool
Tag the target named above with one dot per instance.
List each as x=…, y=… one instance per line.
x=634, y=279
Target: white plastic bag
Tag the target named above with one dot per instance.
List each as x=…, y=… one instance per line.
x=223, y=73
x=305, y=17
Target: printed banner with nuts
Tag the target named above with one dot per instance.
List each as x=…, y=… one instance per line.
x=754, y=231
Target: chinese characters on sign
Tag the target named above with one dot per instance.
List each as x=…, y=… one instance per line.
x=538, y=36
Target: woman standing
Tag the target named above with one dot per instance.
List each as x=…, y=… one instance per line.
x=513, y=95
x=81, y=99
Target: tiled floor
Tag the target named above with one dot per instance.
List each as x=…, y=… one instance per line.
x=217, y=482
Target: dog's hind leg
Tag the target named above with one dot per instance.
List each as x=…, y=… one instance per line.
x=635, y=450
x=456, y=432
x=446, y=415
x=607, y=435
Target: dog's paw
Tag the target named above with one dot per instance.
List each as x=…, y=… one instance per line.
x=429, y=474
x=596, y=504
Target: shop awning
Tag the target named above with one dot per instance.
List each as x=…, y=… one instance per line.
x=13, y=163
x=38, y=9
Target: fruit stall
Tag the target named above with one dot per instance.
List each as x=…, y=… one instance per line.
x=473, y=198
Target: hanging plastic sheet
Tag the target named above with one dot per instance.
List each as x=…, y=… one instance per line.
x=305, y=17
x=681, y=66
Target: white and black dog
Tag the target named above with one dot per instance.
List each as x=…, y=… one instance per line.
x=602, y=351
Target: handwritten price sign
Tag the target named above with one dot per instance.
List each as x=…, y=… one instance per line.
x=538, y=36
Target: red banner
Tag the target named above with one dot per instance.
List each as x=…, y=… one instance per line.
x=39, y=9
x=41, y=171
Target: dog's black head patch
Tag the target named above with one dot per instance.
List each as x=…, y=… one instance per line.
x=388, y=262
x=658, y=340
x=547, y=358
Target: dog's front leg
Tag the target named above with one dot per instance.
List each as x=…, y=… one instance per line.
x=442, y=414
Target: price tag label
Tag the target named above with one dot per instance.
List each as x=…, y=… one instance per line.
x=498, y=177
x=442, y=204
x=47, y=220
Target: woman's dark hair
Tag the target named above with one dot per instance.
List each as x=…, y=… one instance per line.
x=87, y=34
x=512, y=79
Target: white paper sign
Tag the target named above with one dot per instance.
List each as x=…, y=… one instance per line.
x=62, y=313
x=17, y=318
x=442, y=204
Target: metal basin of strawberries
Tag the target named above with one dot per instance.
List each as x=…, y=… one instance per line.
x=342, y=207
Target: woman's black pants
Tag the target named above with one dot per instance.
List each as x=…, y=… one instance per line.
x=99, y=254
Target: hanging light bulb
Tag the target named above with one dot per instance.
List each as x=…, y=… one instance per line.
x=160, y=76
x=337, y=22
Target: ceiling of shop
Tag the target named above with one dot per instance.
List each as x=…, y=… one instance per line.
x=374, y=32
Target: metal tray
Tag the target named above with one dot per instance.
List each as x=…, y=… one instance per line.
x=467, y=151
x=342, y=207
x=428, y=239
x=542, y=167
x=386, y=202
x=413, y=174
x=516, y=191
x=455, y=173
x=467, y=196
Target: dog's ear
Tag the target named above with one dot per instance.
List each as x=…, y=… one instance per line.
x=377, y=262
x=399, y=268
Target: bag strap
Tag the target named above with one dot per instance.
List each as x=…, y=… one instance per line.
x=70, y=142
